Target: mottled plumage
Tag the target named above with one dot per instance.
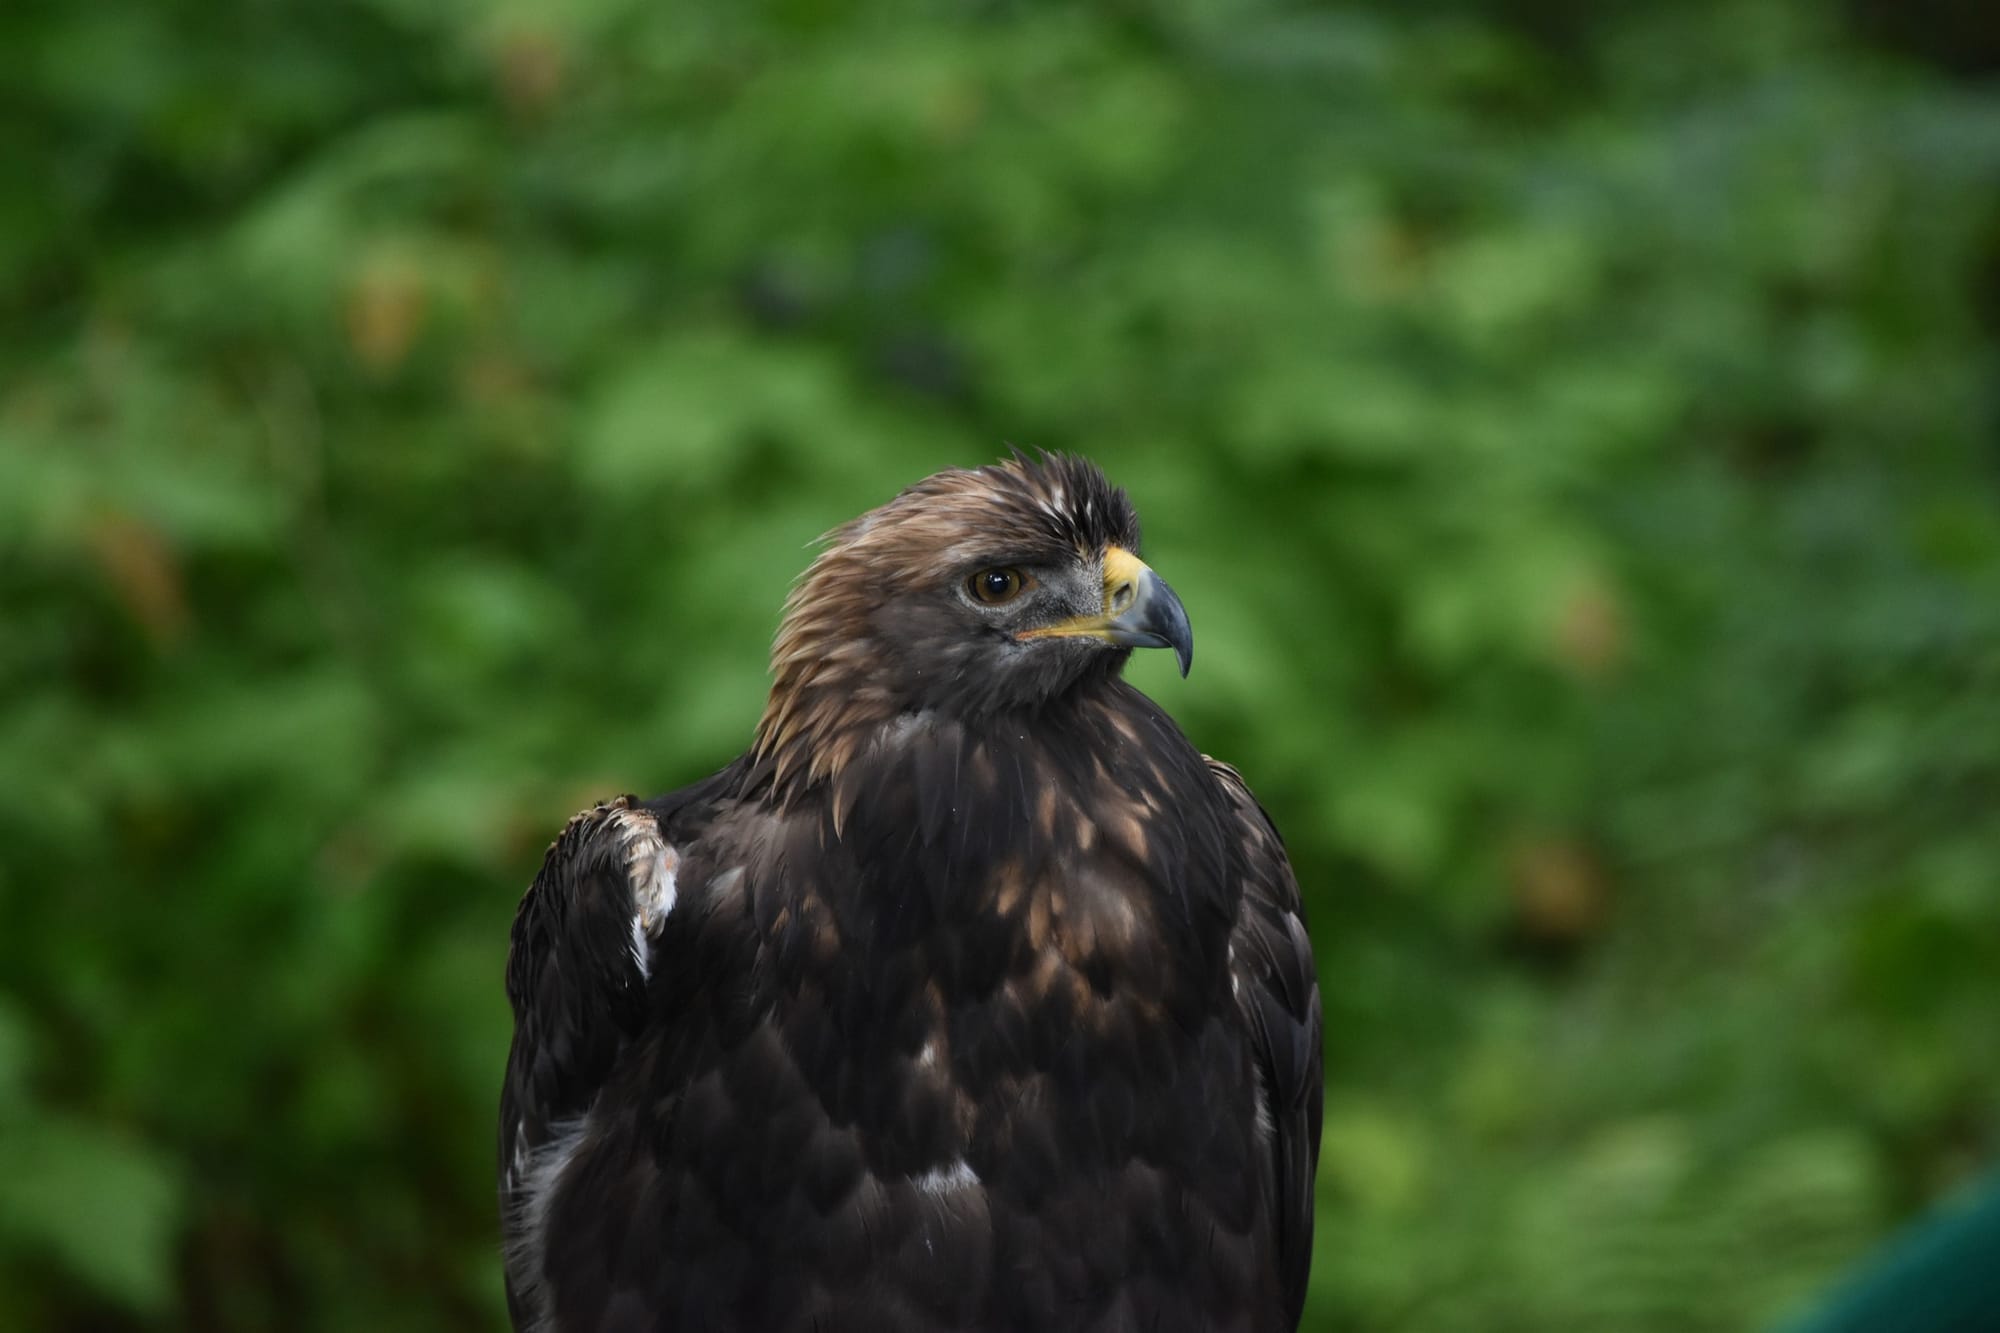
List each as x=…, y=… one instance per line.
x=971, y=997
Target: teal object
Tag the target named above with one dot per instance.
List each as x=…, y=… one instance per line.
x=1940, y=1276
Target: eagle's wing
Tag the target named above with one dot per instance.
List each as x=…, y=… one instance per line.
x=1277, y=989
x=576, y=976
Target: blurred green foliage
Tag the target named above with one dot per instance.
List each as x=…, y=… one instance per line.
x=1572, y=429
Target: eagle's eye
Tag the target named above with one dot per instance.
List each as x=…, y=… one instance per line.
x=996, y=587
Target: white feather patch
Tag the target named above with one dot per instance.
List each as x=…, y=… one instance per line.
x=723, y=886
x=900, y=729
x=641, y=947
x=1267, y=1128
x=651, y=867
x=531, y=1191
x=947, y=1179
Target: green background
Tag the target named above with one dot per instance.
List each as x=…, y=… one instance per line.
x=1571, y=428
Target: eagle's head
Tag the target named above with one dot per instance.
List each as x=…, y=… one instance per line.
x=972, y=594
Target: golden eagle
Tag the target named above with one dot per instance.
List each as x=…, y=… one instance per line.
x=973, y=996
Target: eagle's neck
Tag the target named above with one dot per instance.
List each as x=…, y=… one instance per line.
x=825, y=703
x=832, y=711
x=819, y=721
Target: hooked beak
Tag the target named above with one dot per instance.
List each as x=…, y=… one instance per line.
x=1140, y=611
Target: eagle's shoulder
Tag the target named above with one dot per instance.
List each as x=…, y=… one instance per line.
x=583, y=959
x=1272, y=960
x=1277, y=993
x=611, y=861
x=584, y=936
x=577, y=965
